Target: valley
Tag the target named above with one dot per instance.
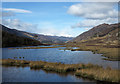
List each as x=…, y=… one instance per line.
x=97, y=52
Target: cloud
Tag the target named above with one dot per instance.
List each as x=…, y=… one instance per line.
x=45, y=28
x=55, y=32
x=7, y=14
x=19, y=25
x=16, y=10
x=48, y=28
x=93, y=10
x=94, y=14
x=89, y=23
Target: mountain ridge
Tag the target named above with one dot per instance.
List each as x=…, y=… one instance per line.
x=13, y=40
x=42, y=38
x=101, y=34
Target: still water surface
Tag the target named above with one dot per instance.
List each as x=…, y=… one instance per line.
x=17, y=74
x=56, y=55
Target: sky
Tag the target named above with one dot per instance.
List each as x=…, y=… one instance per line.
x=68, y=19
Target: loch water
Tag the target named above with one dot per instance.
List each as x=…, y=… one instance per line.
x=25, y=74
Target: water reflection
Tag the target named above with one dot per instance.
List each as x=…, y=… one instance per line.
x=25, y=74
x=56, y=55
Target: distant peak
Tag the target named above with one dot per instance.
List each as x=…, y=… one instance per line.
x=104, y=24
x=101, y=25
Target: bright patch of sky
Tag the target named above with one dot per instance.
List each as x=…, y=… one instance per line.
x=57, y=18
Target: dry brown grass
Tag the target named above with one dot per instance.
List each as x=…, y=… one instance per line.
x=57, y=67
x=110, y=53
x=100, y=74
x=84, y=70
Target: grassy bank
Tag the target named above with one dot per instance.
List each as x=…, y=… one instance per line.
x=49, y=66
x=100, y=74
x=110, y=53
x=91, y=71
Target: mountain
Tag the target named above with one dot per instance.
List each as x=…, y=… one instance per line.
x=51, y=39
x=13, y=31
x=101, y=34
x=45, y=39
x=13, y=38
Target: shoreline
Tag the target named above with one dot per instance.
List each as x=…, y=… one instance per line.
x=112, y=54
x=36, y=47
x=80, y=70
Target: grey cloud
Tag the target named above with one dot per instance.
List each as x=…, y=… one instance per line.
x=7, y=14
x=33, y=28
x=20, y=25
x=16, y=10
x=93, y=10
x=94, y=13
x=87, y=23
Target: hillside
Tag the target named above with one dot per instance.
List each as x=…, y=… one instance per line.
x=47, y=39
x=103, y=34
x=10, y=39
x=51, y=39
x=12, y=31
x=42, y=38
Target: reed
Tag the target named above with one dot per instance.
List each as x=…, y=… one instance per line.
x=100, y=74
x=110, y=53
x=89, y=70
x=49, y=66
